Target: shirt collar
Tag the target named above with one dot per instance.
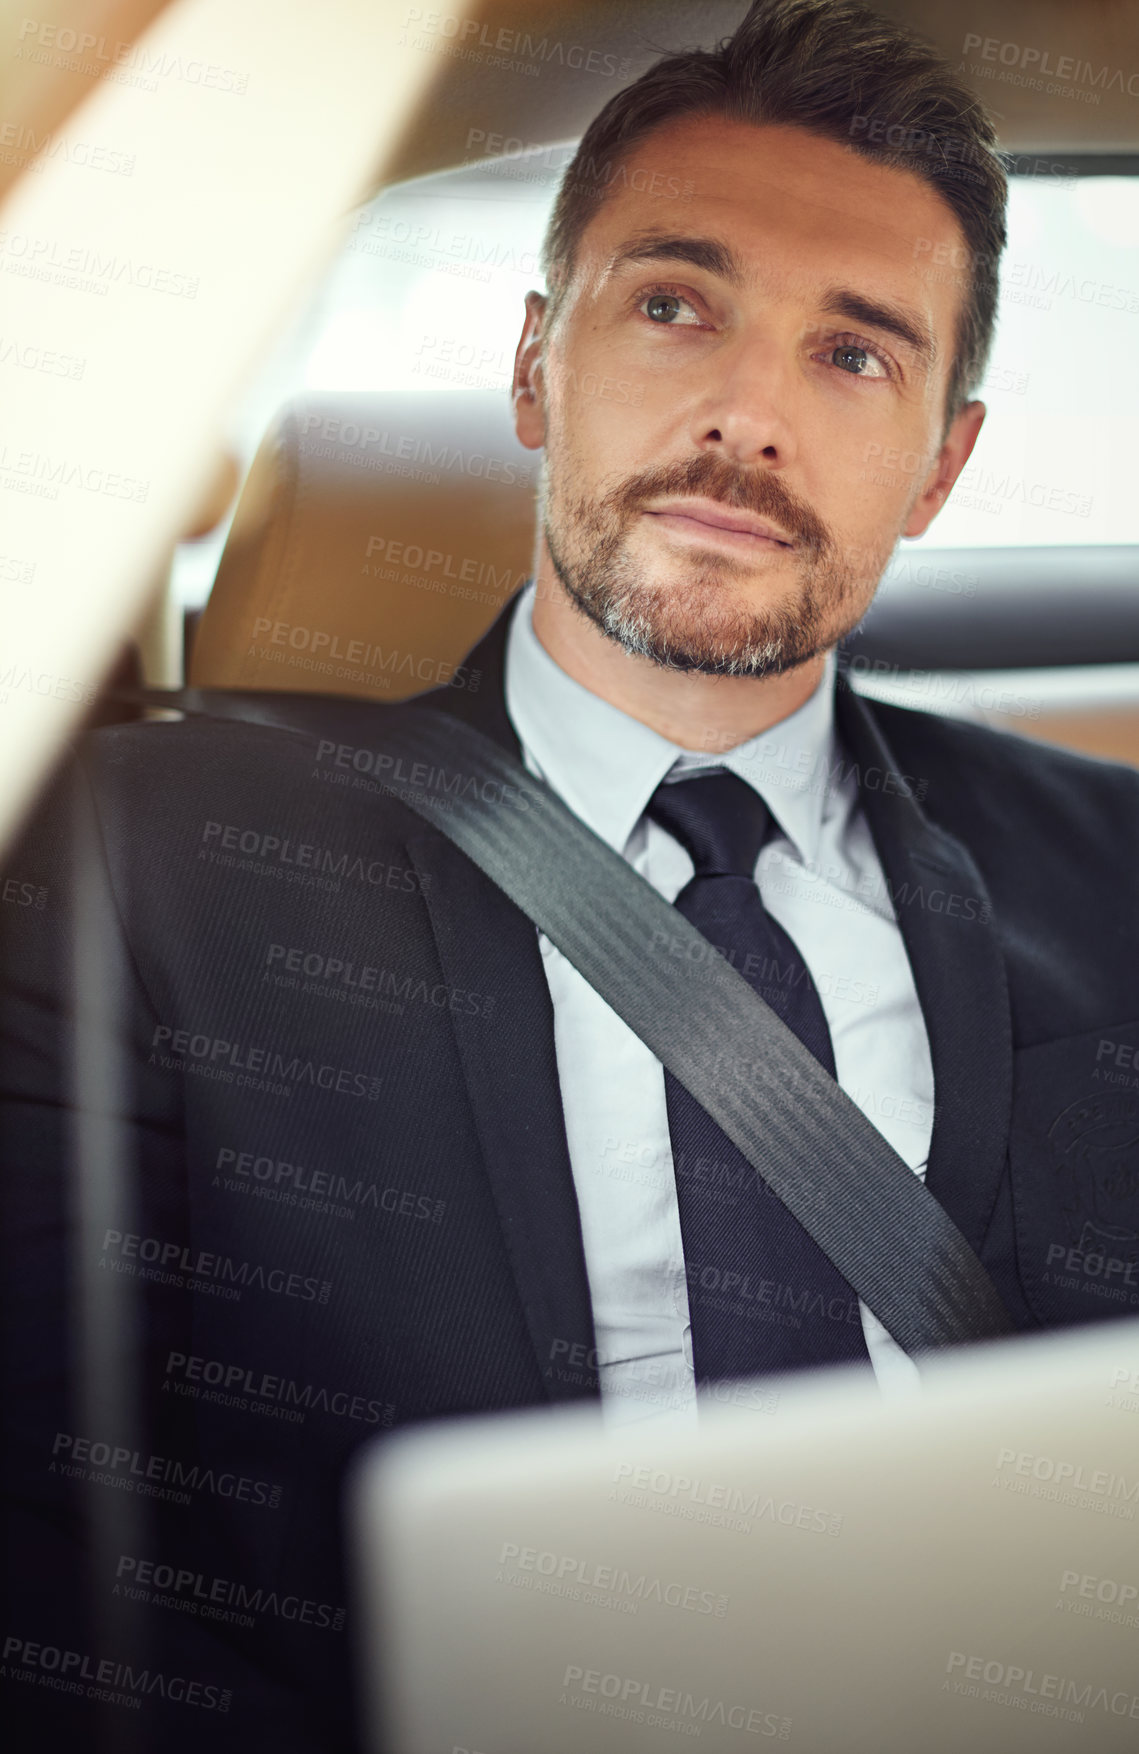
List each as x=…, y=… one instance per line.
x=606, y=765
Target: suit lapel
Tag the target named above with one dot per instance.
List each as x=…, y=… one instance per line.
x=945, y=917
x=487, y=945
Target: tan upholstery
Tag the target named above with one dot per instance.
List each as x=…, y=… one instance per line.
x=342, y=575
x=376, y=538
x=49, y=62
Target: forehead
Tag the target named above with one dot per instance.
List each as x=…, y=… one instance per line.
x=799, y=210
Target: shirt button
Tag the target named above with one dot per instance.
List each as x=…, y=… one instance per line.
x=688, y=1359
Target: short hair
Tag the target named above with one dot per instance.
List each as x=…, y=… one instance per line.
x=836, y=69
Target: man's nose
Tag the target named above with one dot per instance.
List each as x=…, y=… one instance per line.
x=747, y=411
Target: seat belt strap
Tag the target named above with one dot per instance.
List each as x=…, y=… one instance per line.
x=886, y=1233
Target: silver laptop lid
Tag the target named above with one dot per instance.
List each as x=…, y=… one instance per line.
x=952, y=1570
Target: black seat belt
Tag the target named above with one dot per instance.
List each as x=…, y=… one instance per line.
x=889, y=1237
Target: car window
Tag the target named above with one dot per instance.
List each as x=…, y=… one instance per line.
x=426, y=295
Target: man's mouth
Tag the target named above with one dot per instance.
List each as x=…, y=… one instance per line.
x=707, y=520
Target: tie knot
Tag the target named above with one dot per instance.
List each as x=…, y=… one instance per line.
x=718, y=819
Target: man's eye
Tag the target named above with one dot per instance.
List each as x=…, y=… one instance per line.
x=858, y=361
x=665, y=308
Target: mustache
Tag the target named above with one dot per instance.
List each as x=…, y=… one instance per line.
x=760, y=492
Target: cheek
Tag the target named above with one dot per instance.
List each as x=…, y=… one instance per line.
x=890, y=474
x=573, y=413
x=864, y=519
x=869, y=447
x=598, y=444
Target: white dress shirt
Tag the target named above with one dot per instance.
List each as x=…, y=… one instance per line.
x=822, y=881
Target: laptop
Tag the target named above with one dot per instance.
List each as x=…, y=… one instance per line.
x=954, y=1570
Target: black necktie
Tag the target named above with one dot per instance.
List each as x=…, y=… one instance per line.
x=762, y=1295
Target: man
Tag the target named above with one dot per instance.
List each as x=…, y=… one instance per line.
x=360, y=1157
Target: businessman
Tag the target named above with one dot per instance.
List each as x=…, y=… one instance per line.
x=360, y=1147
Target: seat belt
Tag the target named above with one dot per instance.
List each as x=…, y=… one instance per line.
x=889, y=1237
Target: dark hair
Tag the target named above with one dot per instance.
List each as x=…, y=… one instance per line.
x=836, y=69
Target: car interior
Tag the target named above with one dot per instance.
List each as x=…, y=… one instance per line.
x=363, y=488
x=267, y=263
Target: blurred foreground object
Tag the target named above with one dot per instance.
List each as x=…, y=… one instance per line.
x=238, y=158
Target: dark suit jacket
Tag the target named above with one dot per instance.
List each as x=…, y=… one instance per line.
x=347, y=1201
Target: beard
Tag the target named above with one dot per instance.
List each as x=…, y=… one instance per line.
x=703, y=620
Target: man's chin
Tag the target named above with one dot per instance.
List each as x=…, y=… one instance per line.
x=752, y=659
x=754, y=647
x=708, y=635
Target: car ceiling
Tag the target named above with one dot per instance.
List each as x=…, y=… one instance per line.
x=471, y=93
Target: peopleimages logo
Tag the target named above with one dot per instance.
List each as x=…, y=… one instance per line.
x=1041, y=1693
x=106, y=1679
x=395, y=771
x=602, y=1581
x=45, y=258
x=277, y=850
x=214, y=1056
x=63, y=40
x=177, y=1258
x=318, y=641
x=1098, y=1589
x=20, y=894
x=154, y=1476
x=246, y=1387
x=314, y=1188
x=342, y=978
x=664, y=1707
x=181, y=1587
x=638, y=1483
x=1095, y=1489
x=1036, y=65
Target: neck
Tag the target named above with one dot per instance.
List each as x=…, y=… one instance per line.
x=699, y=713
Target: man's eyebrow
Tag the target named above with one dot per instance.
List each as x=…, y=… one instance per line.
x=711, y=254
x=873, y=313
x=716, y=257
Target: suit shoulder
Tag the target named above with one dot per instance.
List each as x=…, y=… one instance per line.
x=168, y=747
x=203, y=744
x=1005, y=762
x=150, y=780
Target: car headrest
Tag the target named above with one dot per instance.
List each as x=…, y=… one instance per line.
x=375, y=540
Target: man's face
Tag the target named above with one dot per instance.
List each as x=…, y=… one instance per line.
x=742, y=400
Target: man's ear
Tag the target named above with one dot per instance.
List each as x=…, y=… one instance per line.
x=527, y=394
x=951, y=459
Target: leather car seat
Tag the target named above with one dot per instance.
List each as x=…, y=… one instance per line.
x=375, y=540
